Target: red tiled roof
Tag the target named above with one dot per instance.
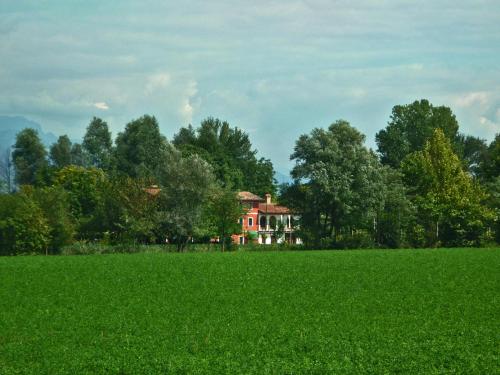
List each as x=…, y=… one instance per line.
x=273, y=209
x=153, y=190
x=247, y=196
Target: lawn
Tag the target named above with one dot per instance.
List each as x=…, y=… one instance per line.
x=404, y=311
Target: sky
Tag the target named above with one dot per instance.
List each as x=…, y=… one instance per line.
x=276, y=69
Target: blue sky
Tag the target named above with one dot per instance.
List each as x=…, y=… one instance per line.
x=276, y=69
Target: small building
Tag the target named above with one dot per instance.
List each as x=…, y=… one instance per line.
x=265, y=222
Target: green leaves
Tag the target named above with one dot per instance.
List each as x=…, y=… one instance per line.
x=445, y=195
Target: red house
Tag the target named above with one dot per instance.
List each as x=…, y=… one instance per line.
x=265, y=222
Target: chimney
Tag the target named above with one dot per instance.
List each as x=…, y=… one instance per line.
x=268, y=198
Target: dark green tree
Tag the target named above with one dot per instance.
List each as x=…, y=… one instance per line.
x=78, y=156
x=60, y=152
x=410, y=126
x=229, y=151
x=98, y=144
x=140, y=149
x=489, y=167
x=29, y=156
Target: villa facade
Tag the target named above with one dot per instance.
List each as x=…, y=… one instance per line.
x=265, y=222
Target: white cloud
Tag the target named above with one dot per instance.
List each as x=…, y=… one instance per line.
x=157, y=81
x=101, y=105
x=472, y=98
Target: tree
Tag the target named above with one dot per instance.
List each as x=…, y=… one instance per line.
x=449, y=203
x=337, y=184
x=471, y=150
x=397, y=214
x=23, y=227
x=489, y=168
x=98, y=144
x=60, y=152
x=225, y=209
x=140, y=148
x=229, y=151
x=54, y=204
x=411, y=125
x=29, y=156
x=78, y=156
x=84, y=187
x=7, y=171
x=186, y=184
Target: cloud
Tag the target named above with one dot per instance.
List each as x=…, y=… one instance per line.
x=101, y=105
x=157, y=81
x=472, y=98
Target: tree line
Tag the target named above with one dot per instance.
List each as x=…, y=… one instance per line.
x=427, y=185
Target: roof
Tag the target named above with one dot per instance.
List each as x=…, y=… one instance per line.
x=153, y=190
x=247, y=196
x=273, y=209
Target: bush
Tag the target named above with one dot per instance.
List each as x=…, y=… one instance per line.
x=23, y=227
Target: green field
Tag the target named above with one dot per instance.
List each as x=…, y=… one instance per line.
x=405, y=311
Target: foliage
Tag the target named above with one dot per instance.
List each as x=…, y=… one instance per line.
x=338, y=183
x=229, y=151
x=55, y=205
x=342, y=312
x=489, y=167
x=23, y=227
x=6, y=172
x=60, y=152
x=448, y=201
x=224, y=210
x=397, y=216
x=411, y=125
x=29, y=156
x=97, y=143
x=140, y=149
x=186, y=186
x=85, y=192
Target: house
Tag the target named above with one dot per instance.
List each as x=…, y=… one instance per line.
x=265, y=222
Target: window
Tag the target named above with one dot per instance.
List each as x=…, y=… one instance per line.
x=242, y=240
x=250, y=221
x=241, y=221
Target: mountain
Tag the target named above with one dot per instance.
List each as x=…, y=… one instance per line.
x=282, y=178
x=11, y=125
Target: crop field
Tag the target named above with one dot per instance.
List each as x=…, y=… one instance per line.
x=373, y=311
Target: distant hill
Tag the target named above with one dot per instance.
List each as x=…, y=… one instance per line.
x=282, y=178
x=11, y=125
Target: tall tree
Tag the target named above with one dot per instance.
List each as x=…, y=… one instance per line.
x=472, y=151
x=489, y=167
x=411, y=125
x=140, y=148
x=98, y=144
x=60, y=152
x=186, y=184
x=7, y=171
x=29, y=156
x=337, y=183
x=449, y=203
x=78, y=156
x=229, y=152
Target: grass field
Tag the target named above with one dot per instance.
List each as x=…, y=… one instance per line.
x=408, y=311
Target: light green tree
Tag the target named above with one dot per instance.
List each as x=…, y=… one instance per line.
x=449, y=202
